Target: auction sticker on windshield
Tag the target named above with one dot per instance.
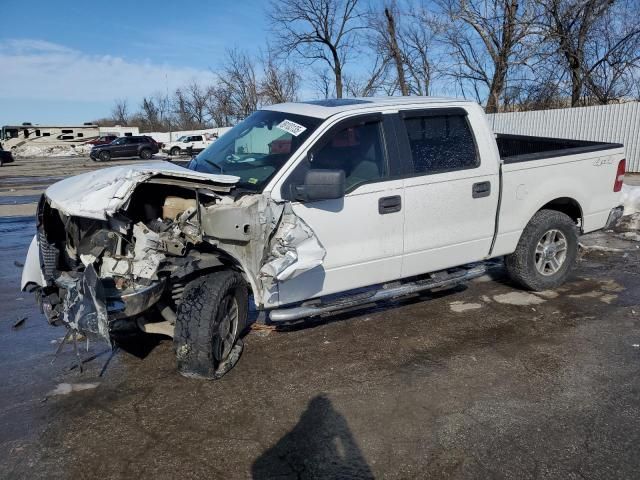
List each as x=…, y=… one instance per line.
x=293, y=128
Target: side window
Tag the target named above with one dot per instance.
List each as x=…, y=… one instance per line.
x=197, y=138
x=441, y=143
x=358, y=150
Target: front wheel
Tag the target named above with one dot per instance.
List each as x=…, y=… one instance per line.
x=175, y=152
x=211, y=317
x=546, y=252
x=104, y=156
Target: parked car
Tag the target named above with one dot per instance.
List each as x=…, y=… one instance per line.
x=187, y=144
x=135, y=146
x=314, y=208
x=5, y=156
x=102, y=140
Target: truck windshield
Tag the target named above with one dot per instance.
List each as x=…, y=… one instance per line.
x=256, y=148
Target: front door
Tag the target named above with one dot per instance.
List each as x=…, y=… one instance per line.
x=118, y=148
x=451, y=196
x=362, y=232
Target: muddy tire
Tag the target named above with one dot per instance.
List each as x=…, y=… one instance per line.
x=211, y=317
x=175, y=152
x=145, y=154
x=546, y=252
x=104, y=156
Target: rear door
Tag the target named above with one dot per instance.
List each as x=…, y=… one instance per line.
x=361, y=232
x=132, y=146
x=197, y=143
x=451, y=192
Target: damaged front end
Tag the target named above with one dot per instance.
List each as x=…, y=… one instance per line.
x=109, y=250
x=97, y=271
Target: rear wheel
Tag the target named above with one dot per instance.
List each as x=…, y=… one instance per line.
x=145, y=154
x=104, y=156
x=546, y=252
x=175, y=152
x=211, y=317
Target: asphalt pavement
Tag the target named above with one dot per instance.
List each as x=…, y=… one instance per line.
x=479, y=381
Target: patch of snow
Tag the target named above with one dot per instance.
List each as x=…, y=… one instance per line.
x=518, y=298
x=482, y=279
x=630, y=198
x=608, y=298
x=67, y=388
x=460, y=307
x=599, y=248
x=548, y=294
x=634, y=236
x=630, y=222
x=51, y=151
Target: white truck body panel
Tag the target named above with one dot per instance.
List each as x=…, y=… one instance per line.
x=527, y=186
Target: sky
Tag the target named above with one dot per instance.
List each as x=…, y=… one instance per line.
x=67, y=62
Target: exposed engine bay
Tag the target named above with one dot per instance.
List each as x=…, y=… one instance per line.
x=97, y=271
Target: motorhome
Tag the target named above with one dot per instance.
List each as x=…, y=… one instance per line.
x=13, y=136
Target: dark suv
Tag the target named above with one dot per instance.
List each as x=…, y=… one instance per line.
x=139, y=146
x=5, y=157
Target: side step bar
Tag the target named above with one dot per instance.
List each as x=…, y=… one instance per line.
x=382, y=294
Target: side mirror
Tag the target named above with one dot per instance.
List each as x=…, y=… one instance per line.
x=320, y=184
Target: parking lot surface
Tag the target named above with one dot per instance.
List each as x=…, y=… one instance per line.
x=479, y=381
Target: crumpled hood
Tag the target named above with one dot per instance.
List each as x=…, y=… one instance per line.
x=101, y=193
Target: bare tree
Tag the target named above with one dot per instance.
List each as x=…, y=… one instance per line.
x=318, y=30
x=220, y=107
x=375, y=81
x=487, y=38
x=238, y=79
x=191, y=106
x=322, y=82
x=384, y=40
x=597, y=41
x=120, y=112
x=280, y=81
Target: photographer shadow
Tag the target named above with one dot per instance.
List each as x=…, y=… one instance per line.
x=319, y=446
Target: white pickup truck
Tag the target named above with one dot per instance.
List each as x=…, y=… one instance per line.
x=188, y=144
x=309, y=208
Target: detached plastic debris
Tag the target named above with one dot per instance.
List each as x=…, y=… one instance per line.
x=18, y=323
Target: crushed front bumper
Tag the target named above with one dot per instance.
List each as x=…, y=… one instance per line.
x=90, y=307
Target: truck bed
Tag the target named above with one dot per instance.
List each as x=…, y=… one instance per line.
x=523, y=148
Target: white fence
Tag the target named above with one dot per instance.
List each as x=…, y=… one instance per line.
x=606, y=123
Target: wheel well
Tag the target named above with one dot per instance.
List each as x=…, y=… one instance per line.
x=568, y=206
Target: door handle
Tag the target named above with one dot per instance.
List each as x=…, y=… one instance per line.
x=389, y=204
x=481, y=189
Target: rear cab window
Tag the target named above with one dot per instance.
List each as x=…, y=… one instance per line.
x=439, y=141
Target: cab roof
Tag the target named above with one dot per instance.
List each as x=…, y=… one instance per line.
x=331, y=106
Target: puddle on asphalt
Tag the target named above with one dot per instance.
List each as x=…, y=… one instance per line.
x=28, y=180
x=19, y=199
